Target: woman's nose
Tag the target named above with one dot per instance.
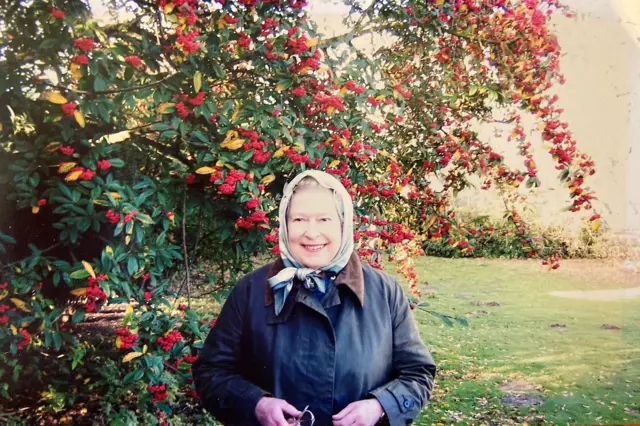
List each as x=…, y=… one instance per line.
x=312, y=230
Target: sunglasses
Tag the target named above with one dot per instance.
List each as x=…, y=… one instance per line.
x=302, y=421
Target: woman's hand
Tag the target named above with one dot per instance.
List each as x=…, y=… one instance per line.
x=366, y=412
x=270, y=411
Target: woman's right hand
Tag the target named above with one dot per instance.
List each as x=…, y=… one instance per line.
x=270, y=411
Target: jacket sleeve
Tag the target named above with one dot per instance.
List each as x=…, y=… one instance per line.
x=413, y=368
x=229, y=397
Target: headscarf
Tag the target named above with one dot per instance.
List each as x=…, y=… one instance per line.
x=282, y=283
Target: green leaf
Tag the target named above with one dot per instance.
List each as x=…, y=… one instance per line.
x=200, y=136
x=144, y=218
x=116, y=162
x=134, y=376
x=132, y=266
x=7, y=238
x=80, y=274
x=119, y=228
x=78, y=317
x=57, y=340
x=160, y=127
x=99, y=84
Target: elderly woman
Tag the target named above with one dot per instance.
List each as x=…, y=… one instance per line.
x=316, y=329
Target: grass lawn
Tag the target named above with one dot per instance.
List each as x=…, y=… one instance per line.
x=550, y=353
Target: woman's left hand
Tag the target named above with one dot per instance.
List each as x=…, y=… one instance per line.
x=366, y=412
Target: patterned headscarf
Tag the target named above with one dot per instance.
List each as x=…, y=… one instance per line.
x=282, y=283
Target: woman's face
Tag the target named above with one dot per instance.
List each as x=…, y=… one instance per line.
x=313, y=227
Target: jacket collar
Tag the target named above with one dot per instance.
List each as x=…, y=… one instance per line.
x=351, y=276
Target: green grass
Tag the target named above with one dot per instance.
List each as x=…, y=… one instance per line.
x=584, y=373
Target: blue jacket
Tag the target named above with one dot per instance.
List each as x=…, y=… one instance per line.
x=359, y=341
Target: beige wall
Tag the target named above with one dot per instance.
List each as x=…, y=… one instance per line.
x=601, y=98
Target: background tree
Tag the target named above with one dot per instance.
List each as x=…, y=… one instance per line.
x=138, y=148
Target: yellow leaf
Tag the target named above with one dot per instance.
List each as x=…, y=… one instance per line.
x=79, y=291
x=330, y=110
x=221, y=22
x=334, y=163
x=312, y=42
x=20, y=304
x=52, y=147
x=14, y=330
x=117, y=137
x=118, y=342
x=268, y=179
x=280, y=152
x=343, y=90
x=197, y=81
x=115, y=195
x=4, y=294
x=127, y=239
x=88, y=268
x=162, y=109
x=108, y=249
x=220, y=163
x=73, y=176
x=205, y=171
x=129, y=310
x=144, y=349
x=168, y=8
x=76, y=72
x=65, y=167
x=231, y=134
x=236, y=112
x=279, y=88
x=131, y=355
x=456, y=156
x=55, y=98
x=232, y=144
x=79, y=118
x=35, y=209
x=595, y=224
x=87, y=380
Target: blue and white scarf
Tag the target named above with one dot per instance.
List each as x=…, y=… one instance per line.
x=282, y=283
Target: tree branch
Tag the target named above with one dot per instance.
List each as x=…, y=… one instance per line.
x=164, y=150
x=113, y=91
x=51, y=247
x=184, y=246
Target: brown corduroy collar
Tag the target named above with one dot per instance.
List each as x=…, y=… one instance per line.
x=351, y=276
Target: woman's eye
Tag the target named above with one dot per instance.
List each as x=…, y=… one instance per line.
x=325, y=219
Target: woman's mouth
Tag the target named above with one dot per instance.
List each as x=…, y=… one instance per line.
x=314, y=248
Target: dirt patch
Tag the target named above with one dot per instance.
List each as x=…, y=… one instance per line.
x=632, y=411
x=485, y=303
x=521, y=393
x=559, y=326
x=610, y=327
x=522, y=400
x=477, y=314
